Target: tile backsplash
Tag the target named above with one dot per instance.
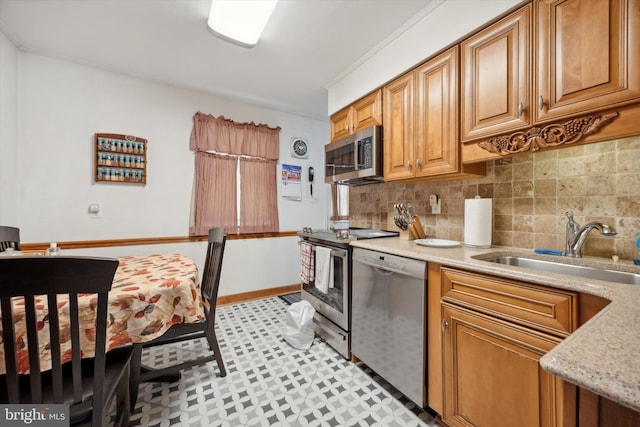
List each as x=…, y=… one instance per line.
x=531, y=193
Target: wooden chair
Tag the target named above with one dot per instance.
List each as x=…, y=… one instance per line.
x=190, y=331
x=9, y=236
x=87, y=385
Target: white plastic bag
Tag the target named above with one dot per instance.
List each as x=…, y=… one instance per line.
x=298, y=325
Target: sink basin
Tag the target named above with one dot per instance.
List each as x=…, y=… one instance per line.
x=564, y=268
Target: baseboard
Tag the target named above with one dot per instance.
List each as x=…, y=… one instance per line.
x=254, y=295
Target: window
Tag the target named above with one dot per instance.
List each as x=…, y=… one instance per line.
x=235, y=176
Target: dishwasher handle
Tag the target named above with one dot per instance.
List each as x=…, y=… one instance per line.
x=390, y=263
x=388, y=270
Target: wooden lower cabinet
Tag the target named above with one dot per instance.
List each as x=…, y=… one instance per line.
x=492, y=376
x=435, y=396
x=486, y=335
x=597, y=411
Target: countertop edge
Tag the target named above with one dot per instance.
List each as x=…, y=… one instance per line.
x=602, y=356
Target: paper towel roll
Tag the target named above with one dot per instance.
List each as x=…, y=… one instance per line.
x=477, y=222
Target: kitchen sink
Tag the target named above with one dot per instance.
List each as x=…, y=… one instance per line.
x=564, y=268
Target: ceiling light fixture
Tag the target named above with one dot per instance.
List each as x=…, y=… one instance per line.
x=240, y=21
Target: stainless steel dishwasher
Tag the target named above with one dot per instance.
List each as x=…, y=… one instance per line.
x=389, y=319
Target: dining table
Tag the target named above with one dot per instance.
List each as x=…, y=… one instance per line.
x=149, y=294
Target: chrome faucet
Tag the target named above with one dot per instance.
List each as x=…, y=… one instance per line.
x=576, y=235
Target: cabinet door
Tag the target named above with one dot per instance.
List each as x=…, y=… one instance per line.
x=598, y=411
x=492, y=375
x=341, y=124
x=435, y=388
x=496, y=77
x=398, y=129
x=367, y=111
x=437, y=115
x=588, y=56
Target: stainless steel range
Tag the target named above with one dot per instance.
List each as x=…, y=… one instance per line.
x=326, y=280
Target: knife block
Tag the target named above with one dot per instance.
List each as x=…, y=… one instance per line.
x=407, y=235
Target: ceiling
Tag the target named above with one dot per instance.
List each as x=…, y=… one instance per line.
x=307, y=44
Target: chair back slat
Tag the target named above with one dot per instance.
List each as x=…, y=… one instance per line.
x=6, y=245
x=10, y=359
x=9, y=237
x=212, y=269
x=56, y=354
x=33, y=277
x=33, y=347
x=76, y=356
x=100, y=357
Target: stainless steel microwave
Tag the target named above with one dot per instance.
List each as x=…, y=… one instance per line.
x=355, y=159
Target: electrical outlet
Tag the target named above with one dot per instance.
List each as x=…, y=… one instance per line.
x=94, y=210
x=435, y=203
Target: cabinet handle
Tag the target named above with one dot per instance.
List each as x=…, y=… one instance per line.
x=444, y=325
x=540, y=103
x=520, y=109
x=408, y=165
x=418, y=164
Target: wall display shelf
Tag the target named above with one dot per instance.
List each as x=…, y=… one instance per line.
x=120, y=158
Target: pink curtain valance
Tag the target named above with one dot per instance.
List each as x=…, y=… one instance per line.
x=226, y=136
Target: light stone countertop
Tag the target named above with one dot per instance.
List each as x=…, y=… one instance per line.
x=603, y=355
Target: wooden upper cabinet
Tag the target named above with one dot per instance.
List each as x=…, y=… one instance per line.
x=588, y=56
x=367, y=111
x=421, y=123
x=437, y=150
x=496, y=69
x=341, y=124
x=584, y=85
x=360, y=115
x=398, y=128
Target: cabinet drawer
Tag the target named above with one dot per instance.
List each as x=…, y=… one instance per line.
x=548, y=309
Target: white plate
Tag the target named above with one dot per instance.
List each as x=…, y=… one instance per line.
x=437, y=243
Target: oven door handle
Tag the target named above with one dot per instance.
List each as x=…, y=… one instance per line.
x=338, y=253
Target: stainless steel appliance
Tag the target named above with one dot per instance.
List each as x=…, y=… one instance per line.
x=388, y=327
x=332, y=320
x=355, y=159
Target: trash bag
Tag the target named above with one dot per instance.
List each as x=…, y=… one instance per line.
x=298, y=325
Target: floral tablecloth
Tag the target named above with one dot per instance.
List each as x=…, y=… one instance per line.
x=149, y=294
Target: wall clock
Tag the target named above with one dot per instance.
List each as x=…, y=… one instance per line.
x=299, y=148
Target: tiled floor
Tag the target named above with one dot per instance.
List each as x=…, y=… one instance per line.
x=269, y=383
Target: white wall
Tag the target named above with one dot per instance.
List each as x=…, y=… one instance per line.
x=62, y=105
x=8, y=131
x=443, y=23
x=59, y=108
